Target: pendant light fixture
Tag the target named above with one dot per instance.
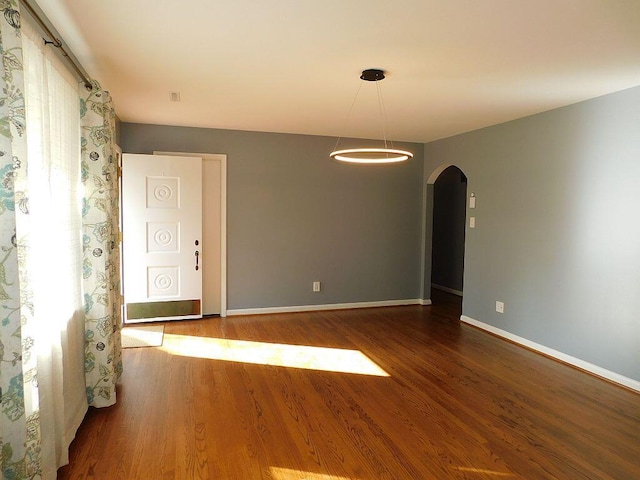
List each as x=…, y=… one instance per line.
x=387, y=154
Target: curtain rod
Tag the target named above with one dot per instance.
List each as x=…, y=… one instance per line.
x=42, y=20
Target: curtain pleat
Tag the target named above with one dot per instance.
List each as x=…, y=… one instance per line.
x=101, y=258
x=19, y=418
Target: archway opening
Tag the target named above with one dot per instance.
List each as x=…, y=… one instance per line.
x=448, y=187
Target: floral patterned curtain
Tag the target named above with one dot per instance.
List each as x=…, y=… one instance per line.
x=101, y=259
x=21, y=455
x=19, y=418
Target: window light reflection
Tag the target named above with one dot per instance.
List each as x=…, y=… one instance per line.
x=483, y=471
x=288, y=474
x=281, y=355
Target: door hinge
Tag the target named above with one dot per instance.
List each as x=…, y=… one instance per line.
x=120, y=237
x=119, y=171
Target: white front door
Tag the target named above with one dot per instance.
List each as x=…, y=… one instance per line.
x=162, y=237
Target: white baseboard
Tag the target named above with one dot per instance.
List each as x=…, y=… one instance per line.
x=330, y=306
x=563, y=357
x=425, y=301
x=447, y=289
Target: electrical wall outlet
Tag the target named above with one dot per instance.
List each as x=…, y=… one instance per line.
x=499, y=307
x=316, y=286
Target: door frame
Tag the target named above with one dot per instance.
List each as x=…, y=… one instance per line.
x=222, y=158
x=118, y=154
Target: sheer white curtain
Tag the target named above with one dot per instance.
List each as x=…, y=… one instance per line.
x=54, y=262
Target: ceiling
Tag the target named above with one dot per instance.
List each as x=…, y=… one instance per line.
x=293, y=65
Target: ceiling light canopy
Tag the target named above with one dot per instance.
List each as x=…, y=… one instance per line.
x=386, y=154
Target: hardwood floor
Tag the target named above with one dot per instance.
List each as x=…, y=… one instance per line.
x=458, y=403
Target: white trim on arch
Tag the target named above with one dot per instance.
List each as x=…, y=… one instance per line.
x=438, y=170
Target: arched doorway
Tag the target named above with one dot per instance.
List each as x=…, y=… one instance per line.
x=445, y=239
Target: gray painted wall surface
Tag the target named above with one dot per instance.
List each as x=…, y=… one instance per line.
x=557, y=236
x=447, y=255
x=295, y=216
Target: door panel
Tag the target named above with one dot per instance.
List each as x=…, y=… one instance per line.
x=162, y=236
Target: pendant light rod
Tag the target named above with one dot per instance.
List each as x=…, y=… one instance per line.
x=383, y=114
x=346, y=120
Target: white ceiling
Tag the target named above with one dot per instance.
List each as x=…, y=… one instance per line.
x=293, y=65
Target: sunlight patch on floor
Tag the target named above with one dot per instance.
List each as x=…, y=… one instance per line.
x=276, y=354
x=142, y=336
x=289, y=474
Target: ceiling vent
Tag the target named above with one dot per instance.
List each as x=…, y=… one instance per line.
x=174, y=96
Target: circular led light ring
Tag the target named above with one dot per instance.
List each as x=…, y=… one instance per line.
x=352, y=155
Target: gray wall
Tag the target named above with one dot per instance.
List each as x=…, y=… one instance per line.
x=557, y=235
x=447, y=255
x=295, y=216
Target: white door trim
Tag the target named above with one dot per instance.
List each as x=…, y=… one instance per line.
x=118, y=152
x=222, y=158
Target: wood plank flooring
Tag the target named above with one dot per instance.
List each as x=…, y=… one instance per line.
x=458, y=403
